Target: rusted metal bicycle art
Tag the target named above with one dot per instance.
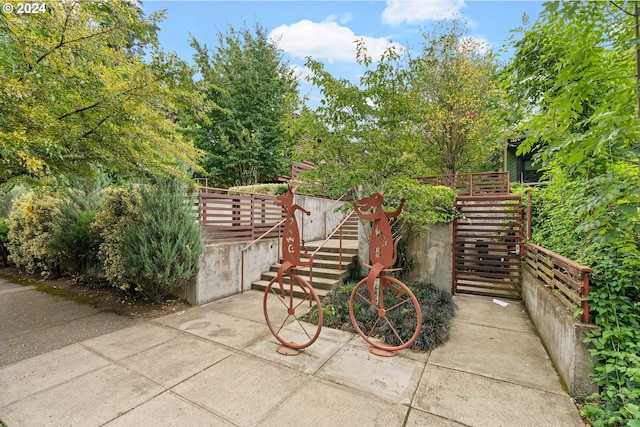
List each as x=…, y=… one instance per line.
x=288, y=293
x=396, y=309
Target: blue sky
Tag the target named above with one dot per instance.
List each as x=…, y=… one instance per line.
x=326, y=30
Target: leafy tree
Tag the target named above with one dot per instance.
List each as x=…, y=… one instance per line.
x=84, y=83
x=360, y=134
x=457, y=101
x=575, y=79
x=246, y=138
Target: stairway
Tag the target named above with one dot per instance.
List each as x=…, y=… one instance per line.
x=327, y=274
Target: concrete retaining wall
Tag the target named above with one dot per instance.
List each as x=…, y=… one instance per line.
x=431, y=254
x=562, y=334
x=314, y=228
x=220, y=274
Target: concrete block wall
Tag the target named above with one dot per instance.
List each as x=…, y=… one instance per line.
x=562, y=334
x=220, y=274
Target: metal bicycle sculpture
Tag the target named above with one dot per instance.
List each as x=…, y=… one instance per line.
x=284, y=303
x=393, y=310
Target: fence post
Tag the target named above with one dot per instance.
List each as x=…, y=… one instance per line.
x=585, y=293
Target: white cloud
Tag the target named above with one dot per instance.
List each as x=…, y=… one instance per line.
x=325, y=41
x=417, y=11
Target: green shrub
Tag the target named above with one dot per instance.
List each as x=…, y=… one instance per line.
x=117, y=210
x=31, y=223
x=268, y=189
x=162, y=246
x=4, y=240
x=425, y=204
x=437, y=313
x=7, y=195
x=74, y=239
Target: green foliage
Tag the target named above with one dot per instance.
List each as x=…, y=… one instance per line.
x=268, y=189
x=437, y=308
x=572, y=79
x=246, y=137
x=4, y=240
x=425, y=204
x=118, y=209
x=378, y=134
x=85, y=84
x=74, y=240
x=31, y=224
x=161, y=247
x=360, y=133
x=457, y=103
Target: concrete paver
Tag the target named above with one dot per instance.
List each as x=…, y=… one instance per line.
x=481, y=350
x=323, y=403
x=242, y=389
x=477, y=400
x=217, y=365
x=393, y=379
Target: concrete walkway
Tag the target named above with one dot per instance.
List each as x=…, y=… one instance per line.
x=216, y=365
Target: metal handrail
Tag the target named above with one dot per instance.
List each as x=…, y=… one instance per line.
x=243, y=250
x=338, y=228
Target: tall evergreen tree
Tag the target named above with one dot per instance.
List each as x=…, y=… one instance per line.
x=246, y=137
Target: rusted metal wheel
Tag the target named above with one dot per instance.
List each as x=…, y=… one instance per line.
x=388, y=320
x=283, y=309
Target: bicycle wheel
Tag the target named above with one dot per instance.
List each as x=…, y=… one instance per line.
x=284, y=308
x=390, y=319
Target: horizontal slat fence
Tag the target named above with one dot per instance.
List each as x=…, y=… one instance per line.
x=237, y=217
x=472, y=184
x=486, y=245
x=570, y=279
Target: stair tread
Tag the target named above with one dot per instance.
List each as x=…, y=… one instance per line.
x=262, y=285
x=272, y=274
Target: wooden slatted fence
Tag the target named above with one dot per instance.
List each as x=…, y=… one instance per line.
x=472, y=184
x=237, y=217
x=567, y=277
x=486, y=245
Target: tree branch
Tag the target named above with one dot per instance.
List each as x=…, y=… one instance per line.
x=620, y=8
x=90, y=131
x=80, y=110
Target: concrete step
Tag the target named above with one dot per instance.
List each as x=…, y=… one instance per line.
x=349, y=247
x=346, y=235
x=327, y=274
x=261, y=285
x=321, y=280
x=332, y=261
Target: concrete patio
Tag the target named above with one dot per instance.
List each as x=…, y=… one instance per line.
x=217, y=365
